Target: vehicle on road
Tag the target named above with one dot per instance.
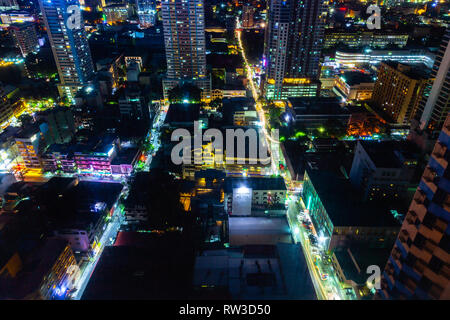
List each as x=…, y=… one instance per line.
x=324, y=276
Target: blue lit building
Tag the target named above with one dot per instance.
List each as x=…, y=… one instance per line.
x=69, y=45
x=418, y=267
x=146, y=10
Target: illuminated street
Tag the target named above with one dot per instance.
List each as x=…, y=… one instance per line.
x=329, y=289
x=112, y=227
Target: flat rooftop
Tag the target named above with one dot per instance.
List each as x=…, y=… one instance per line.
x=258, y=230
x=183, y=112
x=353, y=78
x=344, y=205
x=255, y=183
x=255, y=272
x=389, y=154
x=317, y=106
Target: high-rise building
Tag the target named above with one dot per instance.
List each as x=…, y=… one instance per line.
x=398, y=90
x=69, y=45
x=293, y=42
x=435, y=105
x=184, y=37
x=25, y=37
x=247, y=15
x=146, y=10
x=116, y=13
x=418, y=267
x=9, y=5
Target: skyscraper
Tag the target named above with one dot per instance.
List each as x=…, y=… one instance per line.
x=69, y=45
x=435, y=108
x=418, y=267
x=146, y=10
x=293, y=41
x=25, y=36
x=184, y=37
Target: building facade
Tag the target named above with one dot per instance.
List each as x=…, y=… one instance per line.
x=25, y=36
x=435, y=104
x=418, y=267
x=69, y=45
x=293, y=42
x=398, y=91
x=146, y=10
x=184, y=37
x=364, y=39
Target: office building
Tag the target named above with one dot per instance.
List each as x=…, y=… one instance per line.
x=313, y=113
x=116, y=13
x=384, y=170
x=364, y=39
x=354, y=86
x=184, y=36
x=293, y=42
x=339, y=215
x=254, y=196
x=418, y=267
x=248, y=12
x=146, y=10
x=352, y=58
x=398, y=90
x=70, y=47
x=435, y=105
x=133, y=104
x=30, y=145
x=57, y=125
x=14, y=16
x=25, y=36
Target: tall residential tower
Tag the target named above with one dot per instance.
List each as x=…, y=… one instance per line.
x=418, y=267
x=293, y=42
x=69, y=45
x=146, y=10
x=184, y=37
x=437, y=106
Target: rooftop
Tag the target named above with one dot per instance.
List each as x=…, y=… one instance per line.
x=353, y=78
x=256, y=183
x=317, y=105
x=344, y=206
x=390, y=154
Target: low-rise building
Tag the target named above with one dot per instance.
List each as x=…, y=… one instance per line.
x=354, y=86
x=339, y=215
x=254, y=196
x=385, y=170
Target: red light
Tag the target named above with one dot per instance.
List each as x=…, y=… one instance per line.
x=343, y=9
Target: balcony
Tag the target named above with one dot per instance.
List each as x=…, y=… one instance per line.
x=419, y=197
x=439, y=153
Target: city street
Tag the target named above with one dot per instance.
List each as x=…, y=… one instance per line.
x=112, y=227
x=324, y=278
x=322, y=274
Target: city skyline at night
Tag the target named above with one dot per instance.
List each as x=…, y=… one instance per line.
x=222, y=158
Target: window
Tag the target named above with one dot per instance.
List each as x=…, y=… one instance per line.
x=435, y=264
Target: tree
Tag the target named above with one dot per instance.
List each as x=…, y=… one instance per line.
x=184, y=92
